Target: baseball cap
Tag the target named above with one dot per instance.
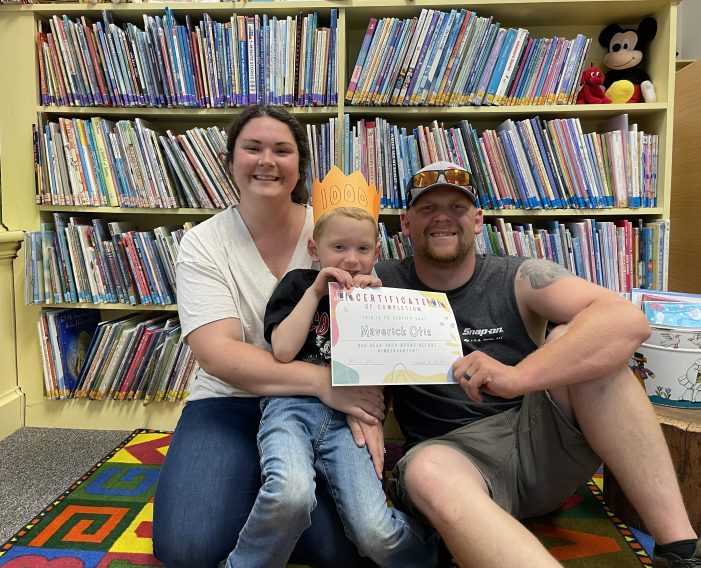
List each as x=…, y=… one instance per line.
x=439, y=174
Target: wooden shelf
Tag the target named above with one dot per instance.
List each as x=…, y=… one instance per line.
x=681, y=63
x=684, y=263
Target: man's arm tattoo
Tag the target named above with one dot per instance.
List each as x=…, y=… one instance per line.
x=542, y=273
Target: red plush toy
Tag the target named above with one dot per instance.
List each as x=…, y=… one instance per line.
x=591, y=92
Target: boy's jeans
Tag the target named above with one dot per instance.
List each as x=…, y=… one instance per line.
x=208, y=483
x=299, y=439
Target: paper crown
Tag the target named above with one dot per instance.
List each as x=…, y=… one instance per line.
x=340, y=190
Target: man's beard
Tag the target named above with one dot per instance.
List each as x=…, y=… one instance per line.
x=445, y=257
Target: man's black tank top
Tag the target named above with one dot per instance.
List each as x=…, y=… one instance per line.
x=488, y=320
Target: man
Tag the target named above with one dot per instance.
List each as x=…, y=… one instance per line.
x=532, y=417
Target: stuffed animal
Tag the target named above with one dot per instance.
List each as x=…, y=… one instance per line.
x=592, y=92
x=626, y=81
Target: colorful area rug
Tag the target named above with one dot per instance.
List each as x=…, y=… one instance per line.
x=104, y=520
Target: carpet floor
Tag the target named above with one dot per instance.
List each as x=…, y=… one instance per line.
x=104, y=519
x=37, y=464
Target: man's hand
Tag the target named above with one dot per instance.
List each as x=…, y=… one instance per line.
x=374, y=438
x=478, y=372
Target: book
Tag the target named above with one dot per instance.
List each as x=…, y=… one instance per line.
x=112, y=373
x=512, y=62
x=416, y=47
x=455, y=58
x=521, y=73
x=435, y=59
x=72, y=330
x=134, y=354
x=500, y=66
x=481, y=57
x=568, y=77
x=535, y=160
x=47, y=359
x=489, y=66
x=447, y=57
x=519, y=163
x=673, y=314
x=427, y=41
x=548, y=94
x=615, y=132
x=474, y=48
x=164, y=365
x=354, y=35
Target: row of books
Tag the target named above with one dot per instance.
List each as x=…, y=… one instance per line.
x=458, y=58
x=99, y=162
x=672, y=310
x=525, y=164
x=136, y=357
x=619, y=255
x=323, y=147
x=245, y=60
x=80, y=259
x=93, y=261
x=397, y=246
x=673, y=314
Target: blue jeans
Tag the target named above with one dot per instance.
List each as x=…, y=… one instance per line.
x=208, y=484
x=299, y=439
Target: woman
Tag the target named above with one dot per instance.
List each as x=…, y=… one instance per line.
x=227, y=269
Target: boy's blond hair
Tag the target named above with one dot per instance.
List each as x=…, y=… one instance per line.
x=351, y=212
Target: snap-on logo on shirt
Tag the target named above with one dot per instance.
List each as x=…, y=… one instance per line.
x=470, y=335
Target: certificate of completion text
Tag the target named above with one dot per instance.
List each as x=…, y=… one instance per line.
x=385, y=336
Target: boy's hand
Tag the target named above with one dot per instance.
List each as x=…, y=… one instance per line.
x=365, y=280
x=320, y=288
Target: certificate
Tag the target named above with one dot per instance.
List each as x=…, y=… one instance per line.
x=391, y=336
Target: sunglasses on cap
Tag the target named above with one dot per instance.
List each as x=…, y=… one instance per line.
x=456, y=177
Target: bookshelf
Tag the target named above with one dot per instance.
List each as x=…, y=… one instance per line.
x=20, y=104
x=684, y=265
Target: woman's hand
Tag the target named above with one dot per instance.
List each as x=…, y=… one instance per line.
x=374, y=438
x=367, y=404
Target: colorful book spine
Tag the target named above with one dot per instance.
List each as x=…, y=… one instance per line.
x=489, y=66
x=442, y=53
x=360, y=62
x=543, y=63
x=427, y=41
x=456, y=57
x=474, y=45
x=482, y=55
x=499, y=66
x=512, y=64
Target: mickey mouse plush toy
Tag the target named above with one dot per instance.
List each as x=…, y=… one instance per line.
x=626, y=82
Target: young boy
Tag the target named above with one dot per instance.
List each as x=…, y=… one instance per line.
x=300, y=439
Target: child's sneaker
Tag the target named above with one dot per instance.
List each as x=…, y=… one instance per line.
x=671, y=560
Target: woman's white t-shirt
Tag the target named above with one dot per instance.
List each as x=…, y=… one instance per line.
x=220, y=274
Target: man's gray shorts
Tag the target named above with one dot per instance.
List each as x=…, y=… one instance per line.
x=532, y=458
